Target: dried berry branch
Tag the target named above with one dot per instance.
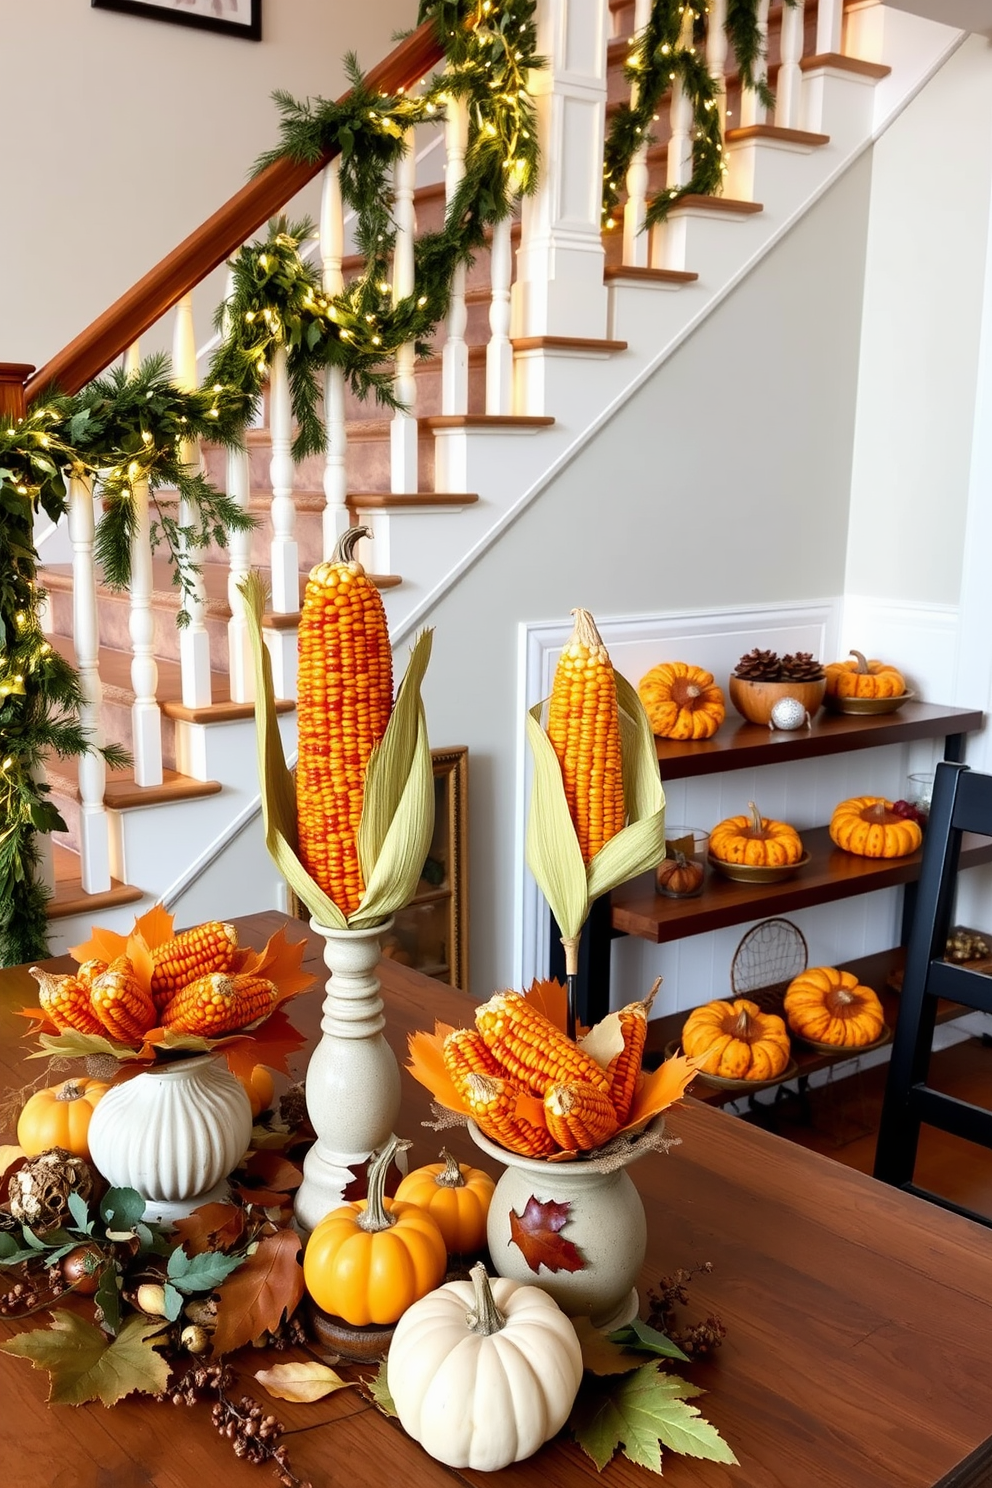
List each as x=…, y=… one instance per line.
x=694, y=1339
x=253, y=1434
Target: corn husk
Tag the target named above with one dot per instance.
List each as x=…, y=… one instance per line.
x=553, y=854
x=397, y=821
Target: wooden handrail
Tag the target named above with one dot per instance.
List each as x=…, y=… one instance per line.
x=221, y=235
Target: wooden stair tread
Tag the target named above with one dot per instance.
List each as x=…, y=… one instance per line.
x=69, y=898
x=841, y=63
x=122, y=791
x=648, y=276
x=410, y=501
x=487, y=421
x=566, y=343
x=773, y=132
x=726, y=205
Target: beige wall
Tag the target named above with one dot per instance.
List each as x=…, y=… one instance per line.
x=123, y=134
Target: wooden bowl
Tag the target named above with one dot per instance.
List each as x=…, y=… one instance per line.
x=751, y=873
x=755, y=700
x=866, y=705
x=722, y=1082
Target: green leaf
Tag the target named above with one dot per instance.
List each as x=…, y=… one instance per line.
x=73, y=1045
x=80, y=1212
x=378, y=1387
x=84, y=1366
x=553, y=853
x=200, y=1273
x=639, y=1413
x=172, y=1301
x=638, y=1335
x=121, y=1209
x=108, y=1298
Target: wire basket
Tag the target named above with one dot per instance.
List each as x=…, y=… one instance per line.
x=765, y=962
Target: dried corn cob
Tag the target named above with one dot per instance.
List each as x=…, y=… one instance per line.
x=492, y=1103
x=467, y=1053
x=624, y=1068
x=66, y=1000
x=121, y=1003
x=530, y=1048
x=579, y=1116
x=344, y=699
x=208, y=947
x=584, y=730
x=216, y=1004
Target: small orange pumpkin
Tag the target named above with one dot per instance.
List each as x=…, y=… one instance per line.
x=868, y=827
x=259, y=1088
x=756, y=840
x=681, y=701
x=679, y=877
x=861, y=678
x=458, y=1197
x=736, y=1040
x=830, y=1006
x=60, y=1117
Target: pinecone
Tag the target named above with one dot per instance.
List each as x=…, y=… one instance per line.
x=801, y=667
x=759, y=666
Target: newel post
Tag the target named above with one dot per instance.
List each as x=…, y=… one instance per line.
x=13, y=377
x=559, y=289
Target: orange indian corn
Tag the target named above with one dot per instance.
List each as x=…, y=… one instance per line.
x=492, y=1105
x=530, y=1048
x=123, y=1005
x=216, y=1004
x=66, y=999
x=345, y=696
x=584, y=730
x=579, y=1116
x=194, y=953
x=625, y=1068
x=466, y=1052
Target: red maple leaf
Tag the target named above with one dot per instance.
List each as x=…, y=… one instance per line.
x=537, y=1234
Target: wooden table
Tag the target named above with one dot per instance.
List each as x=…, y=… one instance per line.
x=859, y=1325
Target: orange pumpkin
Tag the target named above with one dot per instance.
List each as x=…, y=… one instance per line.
x=681, y=701
x=756, y=841
x=60, y=1117
x=458, y=1197
x=832, y=1007
x=259, y=1088
x=370, y=1260
x=867, y=826
x=736, y=1040
x=861, y=678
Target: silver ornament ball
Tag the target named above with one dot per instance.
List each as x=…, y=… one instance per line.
x=788, y=713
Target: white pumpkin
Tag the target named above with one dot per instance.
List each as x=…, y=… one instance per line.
x=483, y=1375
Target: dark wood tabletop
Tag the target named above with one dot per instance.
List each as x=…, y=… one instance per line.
x=859, y=1323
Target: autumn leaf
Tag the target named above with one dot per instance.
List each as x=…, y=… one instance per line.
x=301, y=1380
x=639, y=1413
x=599, y=1354
x=85, y=1365
x=280, y=961
x=270, y=1170
x=537, y=1234
x=646, y=1340
x=253, y=1300
x=74, y=1045
x=378, y=1388
x=211, y=1227
x=660, y=1088
x=426, y=1064
x=271, y=1043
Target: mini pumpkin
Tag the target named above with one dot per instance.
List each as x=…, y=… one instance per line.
x=736, y=1040
x=679, y=876
x=456, y=1196
x=259, y=1088
x=483, y=1374
x=681, y=701
x=60, y=1117
x=369, y=1260
x=868, y=826
x=829, y=1006
x=756, y=840
x=861, y=678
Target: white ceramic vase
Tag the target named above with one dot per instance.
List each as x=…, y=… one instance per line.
x=353, y=1079
x=174, y=1133
x=606, y=1224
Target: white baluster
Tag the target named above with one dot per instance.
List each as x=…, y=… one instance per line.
x=285, y=551
x=680, y=143
x=239, y=657
x=635, y=241
x=94, y=847
x=146, y=717
x=194, y=642
x=788, y=88
x=403, y=433
x=335, y=518
x=829, y=26
x=753, y=111
x=716, y=53
x=499, y=352
x=454, y=356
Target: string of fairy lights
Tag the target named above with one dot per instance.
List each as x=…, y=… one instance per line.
x=131, y=428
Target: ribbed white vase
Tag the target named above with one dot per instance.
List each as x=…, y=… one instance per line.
x=174, y=1133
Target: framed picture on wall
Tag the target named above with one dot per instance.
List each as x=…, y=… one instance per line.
x=234, y=17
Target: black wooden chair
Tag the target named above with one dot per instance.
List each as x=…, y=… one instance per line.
x=962, y=802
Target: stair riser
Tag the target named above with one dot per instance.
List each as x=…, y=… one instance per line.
x=113, y=615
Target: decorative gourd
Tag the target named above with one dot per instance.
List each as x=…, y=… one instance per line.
x=259, y=1088
x=483, y=1374
x=861, y=678
x=736, y=1040
x=868, y=826
x=756, y=841
x=60, y=1117
x=457, y=1197
x=368, y=1261
x=832, y=1007
x=681, y=701
x=679, y=876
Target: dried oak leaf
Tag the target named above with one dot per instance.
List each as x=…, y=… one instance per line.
x=537, y=1235
x=84, y=1364
x=301, y=1380
x=211, y=1227
x=254, y=1298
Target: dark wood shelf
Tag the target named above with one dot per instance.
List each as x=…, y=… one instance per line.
x=831, y=874
x=741, y=746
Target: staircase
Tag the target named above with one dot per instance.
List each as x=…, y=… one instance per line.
x=561, y=322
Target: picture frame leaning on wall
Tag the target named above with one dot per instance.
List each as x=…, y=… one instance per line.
x=232, y=17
